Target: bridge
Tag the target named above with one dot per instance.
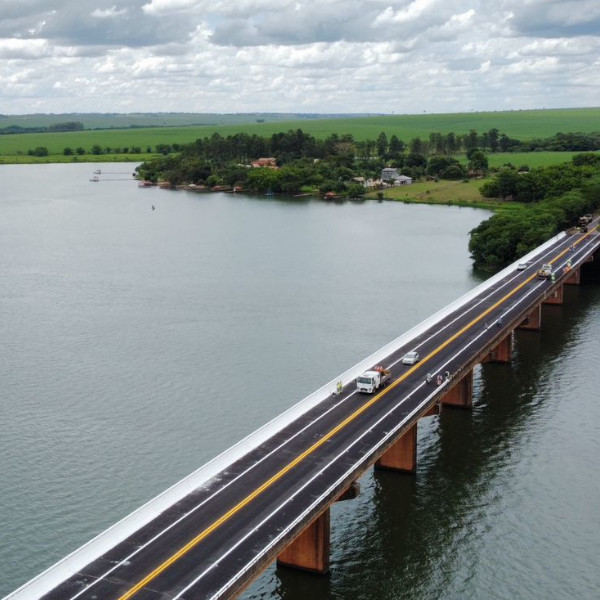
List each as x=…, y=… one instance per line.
x=268, y=497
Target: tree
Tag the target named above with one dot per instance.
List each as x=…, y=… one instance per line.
x=493, y=137
x=396, y=147
x=454, y=171
x=436, y=164
x=355, y=190
x=382, y=144
x=263, y=180
x=478, y=162
x=68, y=152
x=38, y=151
x=96, y=149
x=414, y=159
x=416, y=146
x=470, y=140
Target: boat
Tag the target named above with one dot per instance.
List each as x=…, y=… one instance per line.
x=97, y=172
x=95, y=178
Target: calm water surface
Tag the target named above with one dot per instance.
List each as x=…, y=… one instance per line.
x=139, y=343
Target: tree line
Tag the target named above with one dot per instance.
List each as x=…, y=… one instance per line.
x=55, y=128
x=554, y=196
x=331, y=163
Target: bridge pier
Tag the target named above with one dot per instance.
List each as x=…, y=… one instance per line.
x=310, y=550
x=461, y=393
x=502, y=353
x=533, y=320
x=402, y=454
x=556, y=297
x=574, y=278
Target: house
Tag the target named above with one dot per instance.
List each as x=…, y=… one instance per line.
x=265, y=162
x=389, y=174
x=403, y=180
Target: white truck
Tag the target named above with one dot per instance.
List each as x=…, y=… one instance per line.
x=370, y=381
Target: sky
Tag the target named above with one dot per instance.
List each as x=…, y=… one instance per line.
x=298, y=56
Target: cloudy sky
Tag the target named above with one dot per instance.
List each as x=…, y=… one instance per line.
x=348, y=56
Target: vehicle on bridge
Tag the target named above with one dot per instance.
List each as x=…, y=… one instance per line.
x=370, y=381
x=411, y=358
x=545, y=271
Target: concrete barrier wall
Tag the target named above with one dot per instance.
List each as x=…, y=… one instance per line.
x=99, y=545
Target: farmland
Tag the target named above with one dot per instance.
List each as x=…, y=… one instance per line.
x=520, y=125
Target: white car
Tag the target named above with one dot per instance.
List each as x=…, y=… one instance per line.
x=410, y=358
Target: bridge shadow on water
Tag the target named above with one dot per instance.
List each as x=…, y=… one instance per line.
x=423, y=536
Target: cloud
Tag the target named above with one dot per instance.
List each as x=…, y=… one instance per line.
x=109, y=13
x=292, y=55
x=556, y=18
x=24, y=49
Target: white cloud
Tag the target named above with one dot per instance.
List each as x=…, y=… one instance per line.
x=326, y=56
x=412, y=12
x=109, y=13
x=161, y=7
x=24, y=49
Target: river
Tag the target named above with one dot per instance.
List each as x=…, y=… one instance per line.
x=139, y=342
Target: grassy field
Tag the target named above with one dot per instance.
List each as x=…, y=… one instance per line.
x=517, y=124
x=452, y=193
x=121, y=120
x=531, y=159
x=84, y=158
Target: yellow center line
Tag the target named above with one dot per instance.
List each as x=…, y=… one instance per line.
x=273, y=479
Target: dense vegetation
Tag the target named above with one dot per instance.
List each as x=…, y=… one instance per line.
x=555, y=197
x=334, y=163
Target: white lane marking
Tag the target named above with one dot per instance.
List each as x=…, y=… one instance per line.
x=191, y=511
x=335, y=459
x=472, y=308
x=315, y=502
x=125, y=560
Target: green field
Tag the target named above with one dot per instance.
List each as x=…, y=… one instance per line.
x=517, y=124
x=452, y=193
x=531, y=159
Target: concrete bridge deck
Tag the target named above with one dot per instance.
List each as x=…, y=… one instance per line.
x=269, y=497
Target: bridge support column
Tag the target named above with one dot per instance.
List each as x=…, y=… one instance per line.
x=461, y=393
x=310, y=550
x=574, y=278
x=533, y=320
x=350, y=493
x=502, y=353
x=434, y=409
x=556, y=297
x=402, y=454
